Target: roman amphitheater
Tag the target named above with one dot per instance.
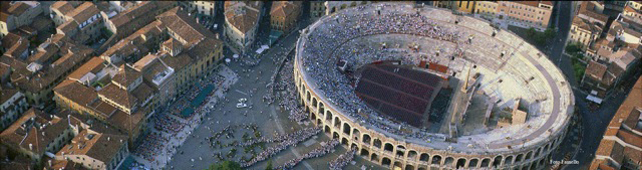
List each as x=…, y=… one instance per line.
x=413, y=87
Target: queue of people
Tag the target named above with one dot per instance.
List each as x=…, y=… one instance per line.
x=317, y=152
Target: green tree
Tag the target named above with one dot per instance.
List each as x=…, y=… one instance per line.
x=269, y=165
x=225, y=165
x=573, y=48
x=530, y=32
x=549, y=33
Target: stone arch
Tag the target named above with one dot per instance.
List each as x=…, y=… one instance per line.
x=449, y=161
x=473, y=163
x=354, y=146
x=364, y=152
x=519, y=158
x=366, y=139
x=424, y=157
x=410, y=167
x=346, y=129
x=548, y=146
x=533, y=165
x=485, y=162
x=319, y=122
x=313, y=116
x=542, y=162
x=398, y=165
x=386, y=162
x=528, y=155
x=353, y=4
x=461, y=163
x=344, y=141
x=377, y=143
x=314, y=102
x=356, y=133
x=307, y=93
x=508, y=160
x=334, y=9
x=335, y=135
x=497, y=161
x=436, y=160
x=401, y=151
x=307, y=109
x=388, y=147
x=374, y=157
x=537, y=152
x=321, y=108
x=328, y=116
x=337, y=122
x=327, y=129
x=412, y=154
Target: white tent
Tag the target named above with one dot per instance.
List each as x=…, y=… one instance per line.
x=235, y=56
x=594, y=99
x=227, y=60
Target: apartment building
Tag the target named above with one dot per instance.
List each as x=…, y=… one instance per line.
x=15, y=14
x=526, y=14
x=93, y=150
x=585, y=32
x=334, y=6
x=47, y=65
x=317, y=9
x=202, y=8
x=285, y=15
x=36, y=133
x=122, y=89
x=13, y=104
x=621, y=144
x=486, y=9
x=241, y=23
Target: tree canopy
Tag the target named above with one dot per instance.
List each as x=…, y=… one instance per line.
x=225, y=165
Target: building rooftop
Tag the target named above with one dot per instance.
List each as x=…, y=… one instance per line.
x=126, y=75
x=588, y=9
x=34, y=128
x=100, y=146
x=94, y=65
x=18, y=8
x=83, y=12
x=284, y=8
x=622, y=134
x=242, y=15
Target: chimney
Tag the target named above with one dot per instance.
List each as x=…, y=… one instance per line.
x=30, y=146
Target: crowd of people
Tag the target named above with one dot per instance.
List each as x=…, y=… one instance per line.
x=342, y=160
x=288, y=100
x=293, y=140
x=317, y=152
x=150, y=146
x=322, y=50
x=167, y=124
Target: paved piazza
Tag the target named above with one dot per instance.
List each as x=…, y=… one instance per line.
x=195, y=143
x=510, y=70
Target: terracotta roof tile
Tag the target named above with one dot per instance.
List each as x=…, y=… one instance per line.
x=241, y=16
